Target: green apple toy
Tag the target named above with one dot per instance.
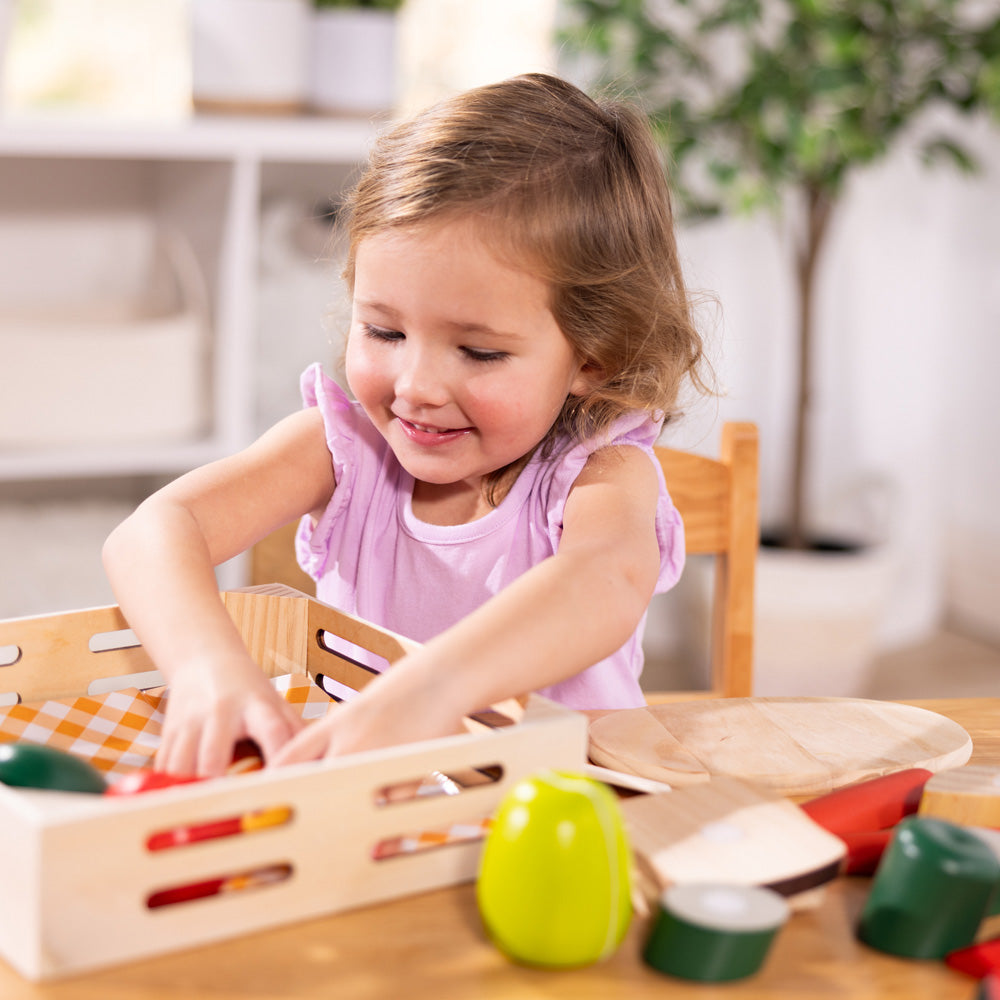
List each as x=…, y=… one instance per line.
x=554, y=880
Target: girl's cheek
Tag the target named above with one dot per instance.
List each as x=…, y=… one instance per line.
x=358, y=363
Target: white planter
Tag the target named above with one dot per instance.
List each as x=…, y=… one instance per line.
x=817, y=619
x=353, y=62
x=249, y=55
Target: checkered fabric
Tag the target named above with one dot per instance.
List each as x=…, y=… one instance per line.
x=120, y=731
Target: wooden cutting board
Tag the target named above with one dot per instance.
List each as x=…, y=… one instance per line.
x=795, y=746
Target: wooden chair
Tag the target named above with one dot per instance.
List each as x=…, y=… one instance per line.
x=272, y=560
x=717, y=498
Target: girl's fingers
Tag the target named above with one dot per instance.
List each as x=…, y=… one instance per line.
x=204, y=744
x=215, y=749
x=178, y=753
x=310, y=744
x=272, y=730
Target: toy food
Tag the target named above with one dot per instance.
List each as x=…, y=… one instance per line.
x=554, y=880
x=931, y=892
x=714, y=933
x=148, y=780
x=31, y=765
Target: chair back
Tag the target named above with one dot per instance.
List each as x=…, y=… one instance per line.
x=717, y=499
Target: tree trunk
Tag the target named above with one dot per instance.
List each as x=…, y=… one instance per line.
x=819, y=205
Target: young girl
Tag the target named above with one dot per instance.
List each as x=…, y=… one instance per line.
x=520, y=330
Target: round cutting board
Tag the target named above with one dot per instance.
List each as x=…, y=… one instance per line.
x=795, y=746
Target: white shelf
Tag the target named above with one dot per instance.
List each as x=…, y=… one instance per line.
x=288, y=140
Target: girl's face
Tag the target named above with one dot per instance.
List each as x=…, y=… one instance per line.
x=454, y=356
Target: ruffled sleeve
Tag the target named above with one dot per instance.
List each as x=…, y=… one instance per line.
x=312, y=543
x=639, y=430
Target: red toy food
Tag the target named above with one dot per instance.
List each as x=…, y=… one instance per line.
x=977, y=960
x=864, y=814
x=148, y=780
x=876, y=804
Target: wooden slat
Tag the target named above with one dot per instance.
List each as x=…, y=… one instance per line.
x=717, y=500
x=55, y=659
x=699, y=488
x=732, y=638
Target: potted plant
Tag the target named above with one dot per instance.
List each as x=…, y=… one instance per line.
x=774, y=106
x=353, y=56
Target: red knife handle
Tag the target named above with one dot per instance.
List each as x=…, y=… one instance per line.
x=876, y=804
x=977, y=960
x=864, y=851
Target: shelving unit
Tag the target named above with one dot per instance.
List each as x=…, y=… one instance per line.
x=208, y=179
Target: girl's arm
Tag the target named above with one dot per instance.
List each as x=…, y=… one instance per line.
x=160, y=562
x=558, y=618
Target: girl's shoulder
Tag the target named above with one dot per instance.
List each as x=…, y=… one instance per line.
x=636, y=428
x=556, y=472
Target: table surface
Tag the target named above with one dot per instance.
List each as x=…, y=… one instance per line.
x=432, y=947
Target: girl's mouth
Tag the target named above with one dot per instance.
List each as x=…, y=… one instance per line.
x=424, y=434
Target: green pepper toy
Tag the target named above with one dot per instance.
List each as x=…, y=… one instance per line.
x=554, y=881
x=31, y=765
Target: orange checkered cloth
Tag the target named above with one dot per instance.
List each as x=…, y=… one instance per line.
x=119, y=732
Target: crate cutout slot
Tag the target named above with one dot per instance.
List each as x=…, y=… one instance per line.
x=245, y=881
x=229, y=826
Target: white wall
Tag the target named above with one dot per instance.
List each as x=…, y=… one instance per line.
x=907, y=420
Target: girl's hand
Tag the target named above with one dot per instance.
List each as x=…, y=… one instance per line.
x=209, y=710
x=384, y=714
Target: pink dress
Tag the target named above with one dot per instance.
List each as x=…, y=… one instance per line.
x=371, y=557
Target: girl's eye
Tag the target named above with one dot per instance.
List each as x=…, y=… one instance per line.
x=381, y=333
x=476, y=355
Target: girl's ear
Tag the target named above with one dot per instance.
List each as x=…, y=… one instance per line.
x=587, y=379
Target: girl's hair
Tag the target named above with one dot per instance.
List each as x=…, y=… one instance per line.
x=572, y=190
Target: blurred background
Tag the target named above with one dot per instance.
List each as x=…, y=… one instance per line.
x=169, y=177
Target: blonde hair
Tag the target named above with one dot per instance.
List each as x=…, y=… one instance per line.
x=573, y=190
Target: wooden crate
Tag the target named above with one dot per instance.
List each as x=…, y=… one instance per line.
x=77, y=870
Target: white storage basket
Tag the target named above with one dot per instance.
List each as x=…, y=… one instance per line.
x=123, y=366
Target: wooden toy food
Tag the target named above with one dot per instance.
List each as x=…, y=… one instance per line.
x=31, y=765
x=148, y=780
x=714, y=933
x=932, y=890
x=863, y=815
x=553, y=886
x=731, y=832
x=969, y=795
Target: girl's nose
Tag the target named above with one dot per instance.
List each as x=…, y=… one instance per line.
x=420, y=380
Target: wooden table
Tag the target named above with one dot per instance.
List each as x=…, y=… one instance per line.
x=431, y=947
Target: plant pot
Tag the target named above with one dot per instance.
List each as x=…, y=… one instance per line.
x=816, y=622
x=249, y=56
x=817, y=619
x=353, y=62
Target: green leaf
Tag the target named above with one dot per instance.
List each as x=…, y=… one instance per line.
x=944, y=149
